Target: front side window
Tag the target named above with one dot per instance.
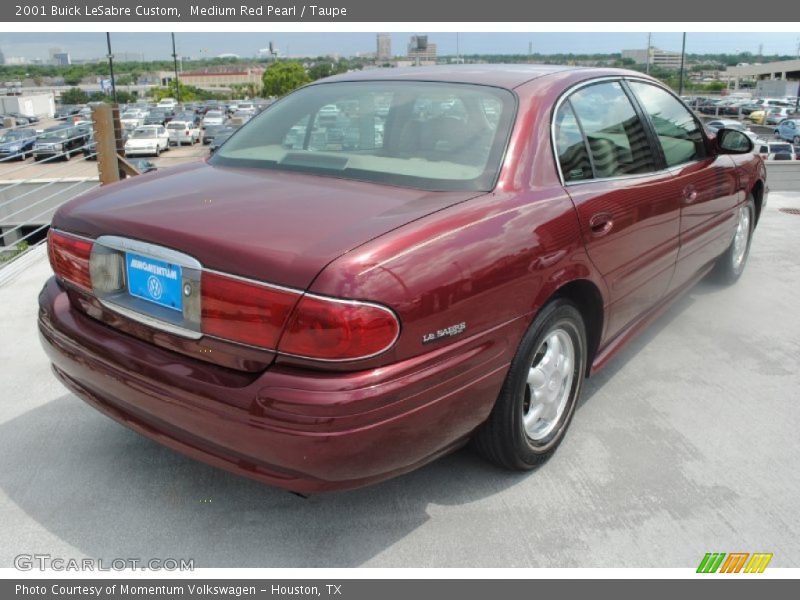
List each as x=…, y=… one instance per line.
x=615, y=134
x=435, y=136
x=677, y=130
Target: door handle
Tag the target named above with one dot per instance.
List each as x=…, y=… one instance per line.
x=600, y=224
x=689, y=194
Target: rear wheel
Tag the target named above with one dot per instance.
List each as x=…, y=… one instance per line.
x=730, y=265
x=538, y=397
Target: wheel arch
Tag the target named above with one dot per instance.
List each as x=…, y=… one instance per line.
x=588, y=298
x=758, y=197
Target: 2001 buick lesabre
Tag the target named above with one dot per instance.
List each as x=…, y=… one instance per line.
x=332, y=300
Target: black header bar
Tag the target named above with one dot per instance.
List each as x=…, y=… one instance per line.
x=349, y=11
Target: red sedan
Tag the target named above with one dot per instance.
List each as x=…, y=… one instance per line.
x=387, y=264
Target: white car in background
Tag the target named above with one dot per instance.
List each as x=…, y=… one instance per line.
x=131, y=119
x=213, y=117
x=183, y=132
x=775, y=150
x=717, y=124
x=149, y=140
x=168, y=103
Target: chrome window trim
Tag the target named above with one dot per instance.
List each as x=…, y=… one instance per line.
x=606, y=79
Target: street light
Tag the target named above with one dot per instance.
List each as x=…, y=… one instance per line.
x=175, y=59
x=683, y=55
x=111, y=68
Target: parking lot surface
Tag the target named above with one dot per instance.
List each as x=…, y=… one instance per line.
x=686, y=443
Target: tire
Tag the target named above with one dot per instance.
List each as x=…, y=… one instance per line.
x=557, y=334
x=731, y=264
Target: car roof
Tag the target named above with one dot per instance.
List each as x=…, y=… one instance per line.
x=498, y=75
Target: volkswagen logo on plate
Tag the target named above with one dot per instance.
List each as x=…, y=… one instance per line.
x=154, y=287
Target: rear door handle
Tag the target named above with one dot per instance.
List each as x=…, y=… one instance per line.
x=689, y=194
x=600, y=224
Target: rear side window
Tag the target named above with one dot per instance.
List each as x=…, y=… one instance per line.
x=677, y=130
x=571, y=147
x=615, y=134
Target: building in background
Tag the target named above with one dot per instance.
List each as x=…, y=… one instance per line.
x=60, y=58
x=780, y=78
x=664, y=59
x=420, y=52
x=384, y=49
x=215, y=79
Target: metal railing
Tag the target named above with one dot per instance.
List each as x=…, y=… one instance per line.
x=33, y=190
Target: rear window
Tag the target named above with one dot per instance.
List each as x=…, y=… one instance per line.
x=174, y=125
x=428, y=135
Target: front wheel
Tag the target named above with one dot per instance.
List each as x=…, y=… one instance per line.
x=541, y=389
x=730, y=265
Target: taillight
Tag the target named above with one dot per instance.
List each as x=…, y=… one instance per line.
x=244, y=311
x=69, y=257
x=329, y=329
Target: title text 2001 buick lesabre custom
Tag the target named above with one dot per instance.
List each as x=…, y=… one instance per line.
x=341, y=296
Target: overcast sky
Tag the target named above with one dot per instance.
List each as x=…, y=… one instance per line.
x=158, y=45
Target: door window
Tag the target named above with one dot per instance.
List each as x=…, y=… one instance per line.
x=615, y=134
x=571, y=147
x=676, y=128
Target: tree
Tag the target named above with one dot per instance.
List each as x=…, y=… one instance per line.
x=74, y=96
x=280, y=78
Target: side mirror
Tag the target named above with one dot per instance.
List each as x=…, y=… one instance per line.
x=733, y=141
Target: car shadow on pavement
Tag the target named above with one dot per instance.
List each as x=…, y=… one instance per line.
x=109, y=493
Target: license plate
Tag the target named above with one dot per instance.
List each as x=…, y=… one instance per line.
x=154, y=280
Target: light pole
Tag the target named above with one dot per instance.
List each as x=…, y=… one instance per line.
x=111, y=68
x=175, y=60
x=683, y=56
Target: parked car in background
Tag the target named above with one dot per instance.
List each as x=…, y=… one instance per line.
x=183, y=132
x=321, y=317
x=776, y=115
x=17, y=144
x=143, y=165
x=157, y=116
x=67, y=110
x=775, y=150
x=59, y=141
x=168, y=103
x=240, y=117
x=213, y=117
x=212, y=131
x=90, y=148
x=717, y=124
x=220, y=137
x=190, y=116
x=148, y=140
x=19, y=118
x=131, y=119
x=789, y=130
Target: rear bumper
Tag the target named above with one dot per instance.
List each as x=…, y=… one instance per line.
x=300, y=430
